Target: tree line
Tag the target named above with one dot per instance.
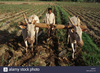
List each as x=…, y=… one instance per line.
x=58, y=0
x=85, y=0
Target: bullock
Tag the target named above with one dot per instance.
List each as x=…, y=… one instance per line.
x=75, y=33
x=28, y=31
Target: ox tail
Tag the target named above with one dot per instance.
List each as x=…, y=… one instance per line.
x=40, y=33
x=37, y=35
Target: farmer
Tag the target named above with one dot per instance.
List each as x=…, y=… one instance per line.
x=50, y=19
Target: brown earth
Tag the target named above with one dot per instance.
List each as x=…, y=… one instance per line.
x=48, y=53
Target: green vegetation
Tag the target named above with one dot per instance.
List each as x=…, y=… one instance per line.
x=58, y=18
x=64, y=20
x=64, y=15
x=2, y=60
x=90, y=52
x=36, y=62
x=61, y=33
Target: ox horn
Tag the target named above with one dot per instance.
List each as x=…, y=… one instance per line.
x=69, y=23
x=33, y=19
x=25, y=18
x=70, y=20
x=78, y=21
x=33, y=16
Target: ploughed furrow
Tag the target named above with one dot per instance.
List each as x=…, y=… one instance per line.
x=33, y=10
x=10, y=10
x=91, y=23
x=18, y=18
x=13, y=15
x=84, y=13
x=36, y=11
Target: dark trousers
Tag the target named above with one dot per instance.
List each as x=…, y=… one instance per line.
x=50, y=32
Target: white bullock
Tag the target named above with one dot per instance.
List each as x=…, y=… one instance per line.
x=28, y=32
x=75, y=33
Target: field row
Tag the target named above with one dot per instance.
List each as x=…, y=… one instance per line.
x=6, y=10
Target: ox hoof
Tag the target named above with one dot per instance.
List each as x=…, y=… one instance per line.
x=32, y=49
x=73, y=55
x=26, y=50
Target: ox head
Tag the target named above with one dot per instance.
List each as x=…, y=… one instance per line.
x=30, y=28
x=76, y=30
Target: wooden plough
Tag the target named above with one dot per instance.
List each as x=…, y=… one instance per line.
x=55, y=26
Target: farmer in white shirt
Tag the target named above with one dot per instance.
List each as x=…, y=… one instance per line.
x=50, y=19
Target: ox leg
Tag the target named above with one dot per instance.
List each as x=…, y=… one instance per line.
x=36, y=38
x=31, y=46
x=26, y=44
x=68, y=39
x=72, y=45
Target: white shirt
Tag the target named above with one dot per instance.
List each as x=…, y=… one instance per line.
x=50, y=18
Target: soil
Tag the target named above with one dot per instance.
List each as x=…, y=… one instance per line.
x=46, y=53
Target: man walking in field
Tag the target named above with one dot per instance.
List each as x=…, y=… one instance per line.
x=50, y=19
